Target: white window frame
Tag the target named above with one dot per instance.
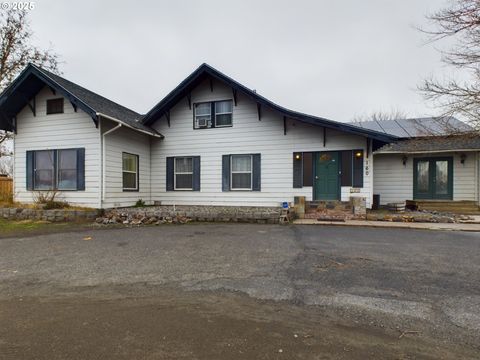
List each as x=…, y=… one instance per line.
x=196, y=126
x=241, y=172
x=137, y=177
x=224, y=113
x=175, y=173
x=54, y=165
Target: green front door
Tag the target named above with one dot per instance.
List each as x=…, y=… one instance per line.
x=433, y=178
x=326, y=179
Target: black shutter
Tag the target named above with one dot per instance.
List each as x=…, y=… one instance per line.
x=226, y=173
x=297, y=170
x=170, y=174
x=346, y=164
x=30, y=169
x=81, y=169
x=196, y=173
x=358, y=168
x=257, y=173
x=308, y=169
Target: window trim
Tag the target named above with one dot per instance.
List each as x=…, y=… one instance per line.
x=56, y=112
x=241, y=172
x=213, y=114
x=181, y=173
x=137, y=172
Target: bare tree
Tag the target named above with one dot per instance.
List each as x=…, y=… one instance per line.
x=393, y=114
x=16, y=51
x=461, y=23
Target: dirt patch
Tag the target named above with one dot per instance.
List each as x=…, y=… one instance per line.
x=196, y=325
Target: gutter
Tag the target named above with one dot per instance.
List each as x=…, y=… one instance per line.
x=425, y=151
x=103, y=161
x=129, y=126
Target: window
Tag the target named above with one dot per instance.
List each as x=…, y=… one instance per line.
x=203, y=115
x=67, y=169
x=223, y=113
x=241, y=172
x=130, y=172
x=62, y=169
x=213, y=114
x=44, y=170
x=183, y=173
x=55, y=106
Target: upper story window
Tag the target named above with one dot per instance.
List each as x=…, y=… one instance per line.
x=213, y=114
x=55, y=106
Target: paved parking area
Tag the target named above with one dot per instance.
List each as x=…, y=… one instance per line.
x=423, y=285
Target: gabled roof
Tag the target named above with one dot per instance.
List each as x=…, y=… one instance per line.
x=417, y=127
x=33, y=79
x=204, y=71
x=460, y=142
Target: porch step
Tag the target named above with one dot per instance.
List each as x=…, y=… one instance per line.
x=458, y=207
x=328, y=205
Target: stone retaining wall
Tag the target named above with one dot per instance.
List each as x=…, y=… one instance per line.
x=182, y=214
x=54, y=215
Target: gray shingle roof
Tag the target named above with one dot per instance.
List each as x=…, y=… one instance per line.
x=465, y=142
x=417, y=127
x=99, y=103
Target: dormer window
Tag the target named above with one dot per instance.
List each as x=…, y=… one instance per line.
x=55, y=106
x=213, y=114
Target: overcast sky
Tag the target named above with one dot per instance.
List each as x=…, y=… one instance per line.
x=335, y=59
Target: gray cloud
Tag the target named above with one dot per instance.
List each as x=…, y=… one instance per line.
x=332, y=59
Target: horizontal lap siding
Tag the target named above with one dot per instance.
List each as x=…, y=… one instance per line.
x=394, y=181
x=117, y=142
x=58, y=131
x=248, y=135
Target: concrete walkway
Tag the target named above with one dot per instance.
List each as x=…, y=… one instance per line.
x=388, y=224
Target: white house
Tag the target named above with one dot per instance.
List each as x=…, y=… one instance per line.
x=210, y=141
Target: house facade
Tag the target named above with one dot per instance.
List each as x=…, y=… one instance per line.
x=210, y=141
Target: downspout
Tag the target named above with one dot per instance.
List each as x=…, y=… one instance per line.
x=103, y=160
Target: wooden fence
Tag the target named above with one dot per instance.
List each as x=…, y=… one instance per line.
x=6, y=188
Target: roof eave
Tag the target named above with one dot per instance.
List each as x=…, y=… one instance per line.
x=174, y=96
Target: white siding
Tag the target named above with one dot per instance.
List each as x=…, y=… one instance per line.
x=57, y=131
x=117, y=142
x=248, y=135
x=394, y=181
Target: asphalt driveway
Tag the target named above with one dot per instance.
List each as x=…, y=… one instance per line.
x=420, y=285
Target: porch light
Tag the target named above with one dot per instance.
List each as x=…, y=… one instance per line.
x=462, y=158
x=358, y=154
x=298, y=156
x=404, y=160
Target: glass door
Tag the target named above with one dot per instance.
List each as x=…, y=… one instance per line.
x=433, y=178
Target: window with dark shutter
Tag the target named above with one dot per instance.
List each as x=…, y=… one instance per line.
x=183, y=173
x=241, y=172
x=55, y=106
x=346, y=179
x=308, y=169
x=62, y=169
x=358, y=168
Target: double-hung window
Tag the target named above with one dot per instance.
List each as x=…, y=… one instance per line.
x=241, y=172
x=67, y=169
x=44, y=170
x=130, y=172
x=62, y=169
x=213, y=114
x=183, y=173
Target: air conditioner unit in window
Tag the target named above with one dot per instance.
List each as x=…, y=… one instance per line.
x=202, y=123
